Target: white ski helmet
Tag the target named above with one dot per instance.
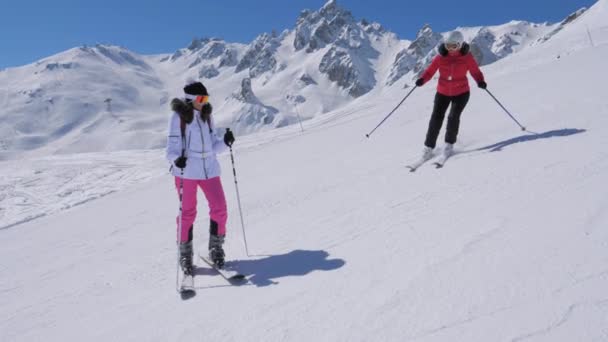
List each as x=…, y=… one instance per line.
x=455, y=37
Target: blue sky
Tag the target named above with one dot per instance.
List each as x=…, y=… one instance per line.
x=34, y=29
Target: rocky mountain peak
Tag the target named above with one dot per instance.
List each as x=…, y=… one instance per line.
x=245, y=93
x=315, y=30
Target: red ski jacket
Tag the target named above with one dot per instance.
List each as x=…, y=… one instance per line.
x=453, y=69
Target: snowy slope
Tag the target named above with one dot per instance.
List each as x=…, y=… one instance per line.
x=506, y=243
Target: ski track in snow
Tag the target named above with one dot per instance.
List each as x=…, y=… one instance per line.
x=36, y=188
x=567, y=315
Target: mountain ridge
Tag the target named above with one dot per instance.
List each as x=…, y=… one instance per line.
x=335, y=57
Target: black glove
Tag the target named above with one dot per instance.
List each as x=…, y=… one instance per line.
x=228, y=138
x=180, y=162
x=482, y=85
x=420, y=82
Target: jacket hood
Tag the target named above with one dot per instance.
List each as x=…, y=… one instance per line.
x=183, y=109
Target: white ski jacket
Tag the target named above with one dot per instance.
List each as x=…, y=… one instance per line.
x=201, y=143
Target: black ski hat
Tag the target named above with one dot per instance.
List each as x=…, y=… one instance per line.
x=196, y=89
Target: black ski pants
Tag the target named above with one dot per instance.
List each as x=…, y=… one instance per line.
x=441, y=106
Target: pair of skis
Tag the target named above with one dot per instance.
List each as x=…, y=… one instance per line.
x=231, y=275
x=439, y=162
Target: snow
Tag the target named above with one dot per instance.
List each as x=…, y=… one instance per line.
x=506, y=243
x=39, y=187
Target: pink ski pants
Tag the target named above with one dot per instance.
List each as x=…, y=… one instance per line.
x=212, y=188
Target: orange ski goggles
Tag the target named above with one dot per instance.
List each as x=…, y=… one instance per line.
x=202, y=99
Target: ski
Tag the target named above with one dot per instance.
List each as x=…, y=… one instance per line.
x=442, y=160
x=414, y=166
x=186, y=289
x=227, y=272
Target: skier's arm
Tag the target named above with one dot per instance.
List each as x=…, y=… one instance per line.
x=474, y=68
x=174, y=139
x=217, y=143
x=431, y=70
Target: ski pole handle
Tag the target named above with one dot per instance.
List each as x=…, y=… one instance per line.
x=228, y=131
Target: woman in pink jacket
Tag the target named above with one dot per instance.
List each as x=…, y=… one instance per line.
x=453, y=62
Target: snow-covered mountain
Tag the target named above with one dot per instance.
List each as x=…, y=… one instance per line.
x=67, y=102
x=507, y=242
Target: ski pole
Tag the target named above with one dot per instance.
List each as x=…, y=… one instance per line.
x=179, y=226
x=505, y=109
x=389, y=114
x=238, y=197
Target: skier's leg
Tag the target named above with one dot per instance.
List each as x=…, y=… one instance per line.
x=458, y=104
x=188, y=216
x=214, y=192
x=218, y=213
x=440, y=107
x=188, y=207
x=185, y=257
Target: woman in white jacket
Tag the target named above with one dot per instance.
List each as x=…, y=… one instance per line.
x=191, y=148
